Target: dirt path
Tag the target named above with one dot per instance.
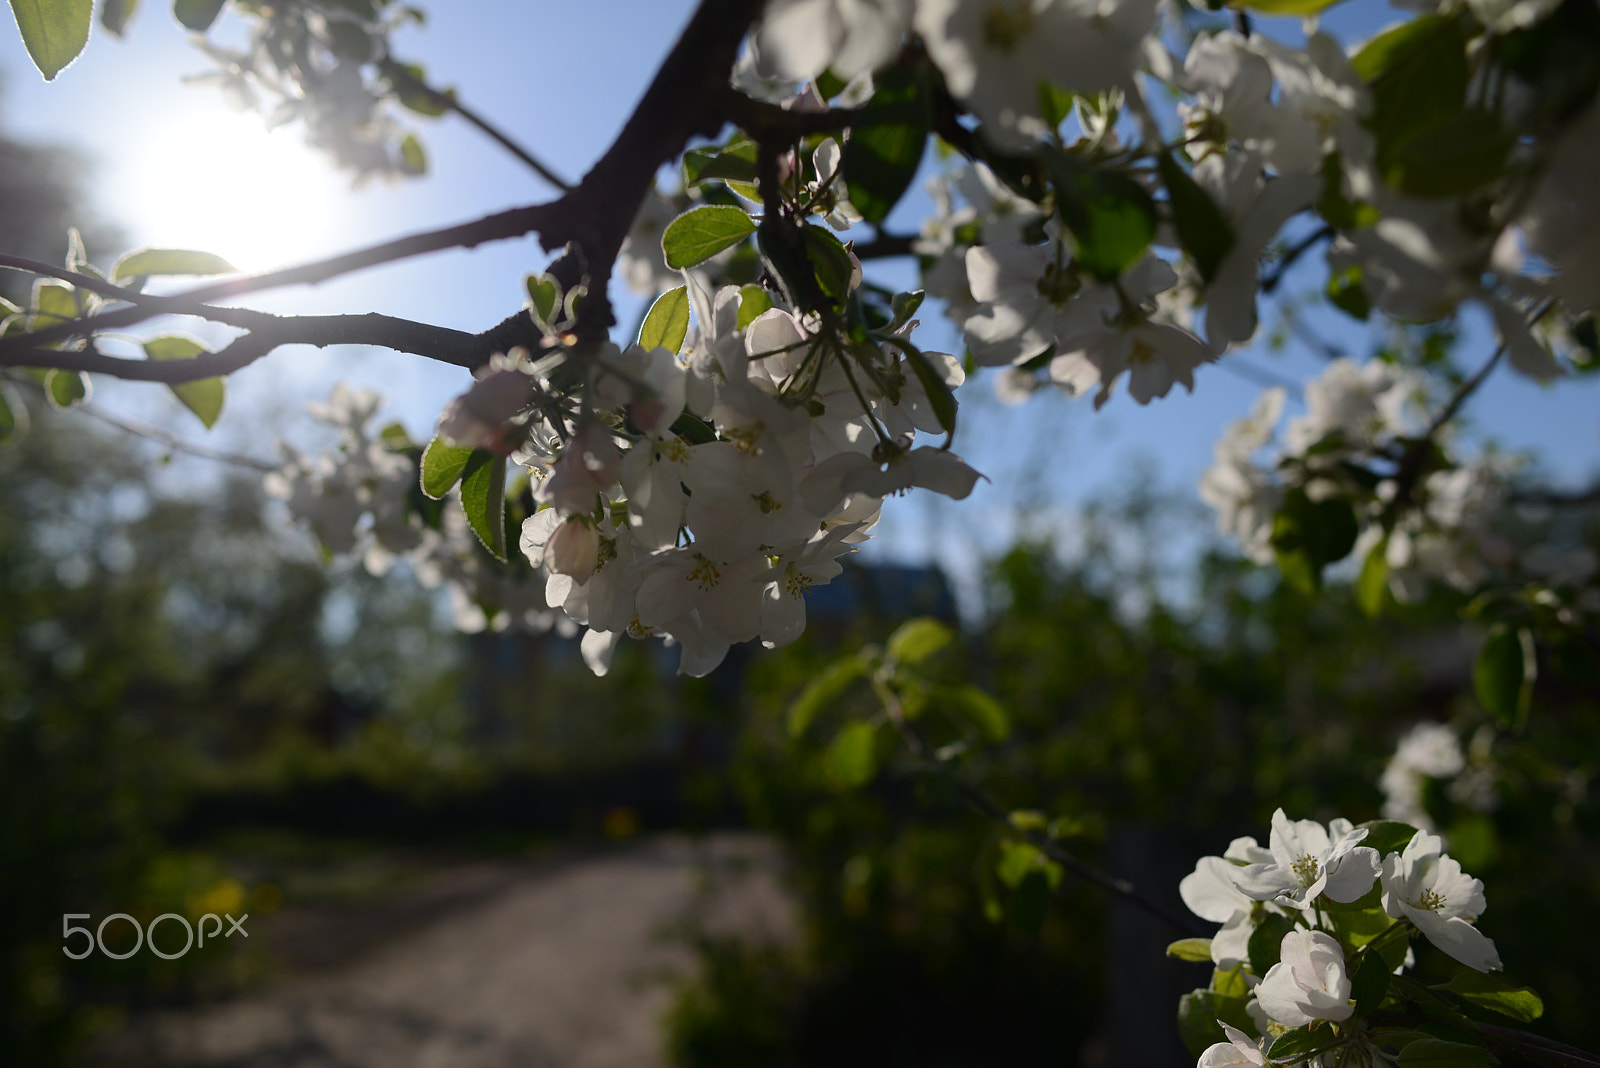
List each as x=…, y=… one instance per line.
x=562, y=966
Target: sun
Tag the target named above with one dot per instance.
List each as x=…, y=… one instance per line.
x=218, y=181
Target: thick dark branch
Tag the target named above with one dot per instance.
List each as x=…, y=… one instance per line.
x=762, y=120
x=435, y=342
x=885, y=246
x=685, y=100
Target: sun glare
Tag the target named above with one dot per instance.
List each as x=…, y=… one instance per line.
x=218, y=181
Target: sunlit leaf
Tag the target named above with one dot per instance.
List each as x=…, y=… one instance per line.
x=1111, y=216
x=204, y=397
x=667, y=323
x=825, y=689
x=66, y=389
x=1372, y=585
x=483, y=499
x=1493, y=992
x=1191, y=949
x=442, y=464
x=700, y=233
x=168, y=261
x=413, y=158
x=754, y=301
x=54, y=31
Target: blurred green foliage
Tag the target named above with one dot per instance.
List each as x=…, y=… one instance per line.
x=1151, y=722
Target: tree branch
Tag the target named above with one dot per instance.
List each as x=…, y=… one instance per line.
x=979, y=799
x=422, y=339
x=399, y=74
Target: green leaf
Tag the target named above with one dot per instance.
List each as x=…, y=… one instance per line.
x=1451, y=157
x=197, y=15
x=410, y=83
x=1436, y=1053
x=1296, y=8
x=1387, y=836
x=1266, y=942
x=733, y=162
x=114, y=15
x=1370, y=985
x=988, y=714
x=829, y=261
x=700, y=233
x=1230, y=983
x=150, y=261
x=442, y=464
x=1420, y=85
x=413, y=157
x=667, y=323
x=53, y=302
x=886, y=143
x=204, y=397
x=1299, y=1042
x=54, y=31
x=1390, y=48
x=915, y=640
x=1493, y=992
x=483, y=499
x=754, y=302
x=544, y=293
x=1309, y=535
x=852, y=758
x=1192, y=949
x=1202, y=229
x=825, y=689
x=1198, y=1013
x=1504, y=674
x=940, y=396
x=66, y=389
x=1112, y=218
x=13, y=416
x=1346, y=293
x=1372, y=585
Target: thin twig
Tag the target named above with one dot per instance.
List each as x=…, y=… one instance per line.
x=1288, y=259
x=397, y=72
x=979, y=799
x=173, y=441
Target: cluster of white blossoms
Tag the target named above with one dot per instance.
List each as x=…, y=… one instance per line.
x=1309, y=881
x=358, y=501
x=1431, y=751
x=1359, y=418
x=1108, y=230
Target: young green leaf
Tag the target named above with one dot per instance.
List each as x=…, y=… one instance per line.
x=13, y=416
x=852, y=758
x=1504, y=674
x=483, y=499
x=1493, y=992
x=700, y=233
x=150, y=261
x=54, y=31
x=197, y=15
x=413, y=157
x=667, y=323
x=66, y=389
x=1296, y=8
x=754, y=301
x=442, y=464
x=1191, y=949
x=826, y=689
x=204, y=397
x=916, y=640
x=1372, y=585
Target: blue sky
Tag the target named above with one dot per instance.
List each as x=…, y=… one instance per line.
x=175, y=167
